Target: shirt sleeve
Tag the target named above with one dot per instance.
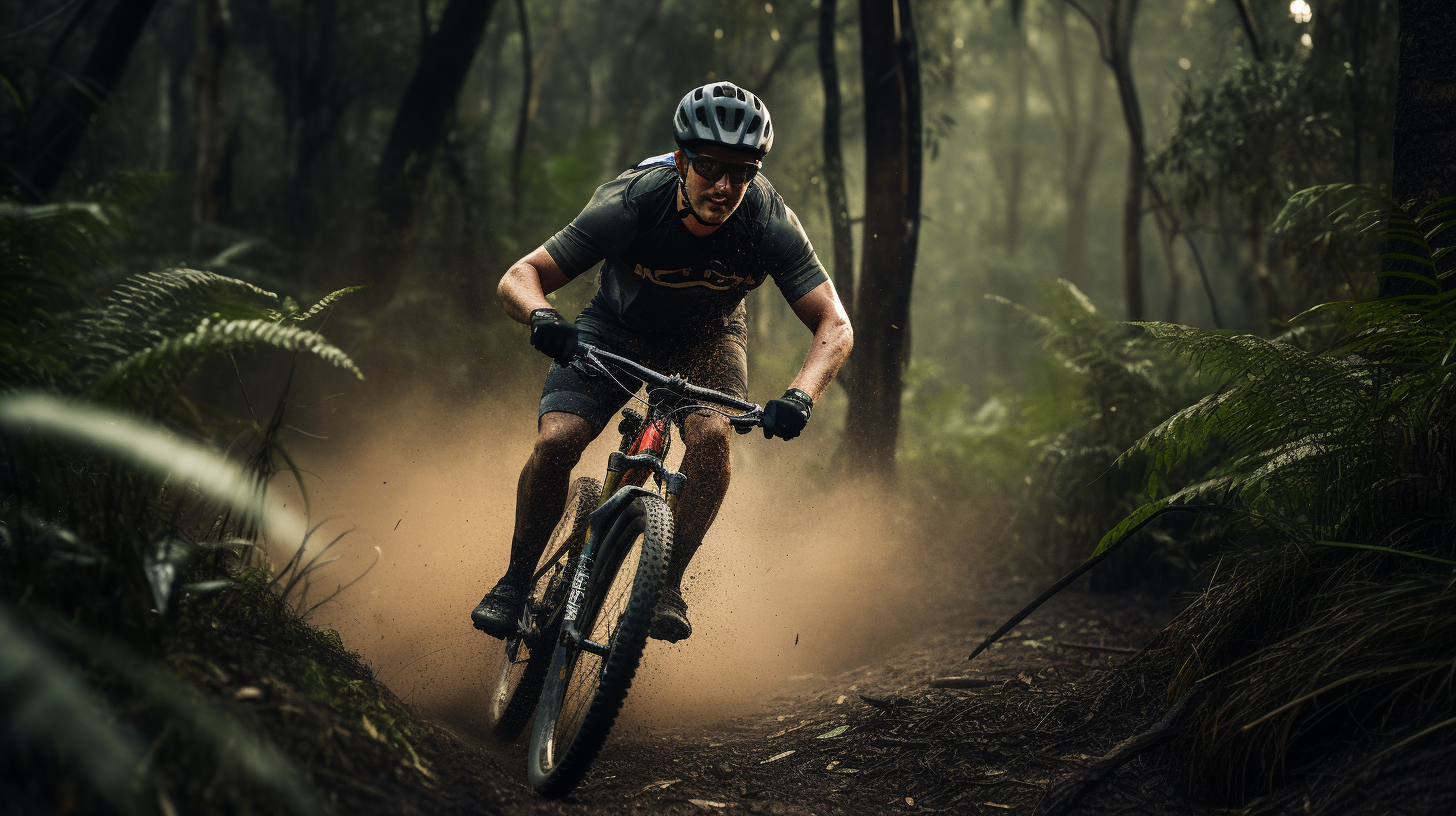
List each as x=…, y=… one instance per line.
x=604, y=229
x=789, y=256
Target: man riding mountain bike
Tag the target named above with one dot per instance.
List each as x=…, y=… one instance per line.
x=684, y=236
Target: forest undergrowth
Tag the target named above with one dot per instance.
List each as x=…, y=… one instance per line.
x=152, y=659
x=157, y=663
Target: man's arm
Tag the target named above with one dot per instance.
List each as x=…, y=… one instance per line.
x=822, y=312
x=526, y=284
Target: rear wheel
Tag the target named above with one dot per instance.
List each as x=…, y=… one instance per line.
x=584, y=690
x=524, y=668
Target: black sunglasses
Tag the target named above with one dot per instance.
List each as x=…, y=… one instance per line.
x=711, y=170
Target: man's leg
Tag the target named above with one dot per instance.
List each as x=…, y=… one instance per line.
x=541, y=491
x=540, y=499
x=706, y=466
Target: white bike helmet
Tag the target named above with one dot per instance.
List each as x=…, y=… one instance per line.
x=724, y=114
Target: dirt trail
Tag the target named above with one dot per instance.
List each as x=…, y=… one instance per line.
x=877, y=738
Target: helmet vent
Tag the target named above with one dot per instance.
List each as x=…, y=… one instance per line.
x=754, y=123
x=682, y=119
x=702, y=117
x=722, y=117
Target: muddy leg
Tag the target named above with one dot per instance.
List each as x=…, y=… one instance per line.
x=706, y=465
x=541, y=493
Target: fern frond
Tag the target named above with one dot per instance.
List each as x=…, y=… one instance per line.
x=292, y=312
x=150, y=309
x=171, y=358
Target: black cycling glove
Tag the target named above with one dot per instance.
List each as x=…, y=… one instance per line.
x=553, y=336
x=786, y=416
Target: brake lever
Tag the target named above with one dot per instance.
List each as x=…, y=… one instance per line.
x=745, y=424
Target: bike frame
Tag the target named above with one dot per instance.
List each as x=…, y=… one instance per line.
x=627, y=472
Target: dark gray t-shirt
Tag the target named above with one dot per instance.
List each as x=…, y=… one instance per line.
x=658, y=277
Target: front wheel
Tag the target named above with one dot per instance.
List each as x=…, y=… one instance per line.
x=584, y=691
x=523, y=670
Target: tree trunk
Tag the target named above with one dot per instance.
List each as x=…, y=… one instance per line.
x=1081, y=145
x=834, y=187
x=523, y=120
x=890, y=64
x=1425, y=130
x=60, y=123
x=1121, y=19
x=1114, y=42
x=601, y=69
x=212, y=183
x=420, y=126
x=545, y=58
x=791, y=39
x=1016, y=166
x=1273, y=307
x=1167, y=242
x=631, y=118
x=1425, y=113
x=1251, y=29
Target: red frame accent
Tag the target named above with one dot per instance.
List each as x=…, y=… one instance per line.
x=652, y=439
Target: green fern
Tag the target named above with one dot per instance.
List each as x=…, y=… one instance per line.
x=170, y=359
x=1337, y=469
x=113, y=529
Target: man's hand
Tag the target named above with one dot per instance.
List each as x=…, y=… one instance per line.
x=786, y=416
x=553, y=336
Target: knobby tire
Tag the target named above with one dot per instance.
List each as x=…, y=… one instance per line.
x=523, y=669
x=583, y=691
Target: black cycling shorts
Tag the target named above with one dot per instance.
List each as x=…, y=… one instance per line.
x=715, y=358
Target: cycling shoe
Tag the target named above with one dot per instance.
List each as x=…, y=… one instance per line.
x=500, y=610
x=670, y=618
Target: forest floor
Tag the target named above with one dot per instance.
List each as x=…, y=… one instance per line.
x=875, y=739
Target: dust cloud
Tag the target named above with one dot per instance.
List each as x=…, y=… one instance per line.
x=795, y=579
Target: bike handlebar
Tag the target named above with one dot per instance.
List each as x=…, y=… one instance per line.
x=752, y=414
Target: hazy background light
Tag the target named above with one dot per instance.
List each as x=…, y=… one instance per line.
x=1300, y=11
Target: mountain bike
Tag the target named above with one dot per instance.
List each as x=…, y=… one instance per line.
x=583, y=630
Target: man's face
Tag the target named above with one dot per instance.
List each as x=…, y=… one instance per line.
x=715, y=201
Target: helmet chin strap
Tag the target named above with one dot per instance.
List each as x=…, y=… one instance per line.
x=682, y=186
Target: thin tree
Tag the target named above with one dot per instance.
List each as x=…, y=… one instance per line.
x=315, y=87
x=1425, y=134
x=1114, y=29
x=420, y=125
x=632, y=116
x=889, y=56
x=62, y=119
x=1079, y=115
x=212, y=182
x=834, y=186
x=523, y=120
